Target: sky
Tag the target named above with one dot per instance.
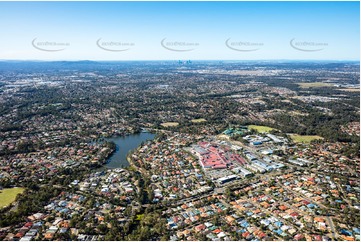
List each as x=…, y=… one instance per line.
x=180, y=30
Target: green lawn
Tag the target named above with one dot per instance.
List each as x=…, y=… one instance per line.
x=304, y=138
x=260, y=129
x=8, y=195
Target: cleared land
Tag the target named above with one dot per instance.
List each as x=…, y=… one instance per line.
x=304, y=138
x=8, y=195
x=199, y=120
x=223, y=137
x=314, y=84
x=169, y=124
x=260, y=129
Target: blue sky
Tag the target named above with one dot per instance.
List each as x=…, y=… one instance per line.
x=259, y=30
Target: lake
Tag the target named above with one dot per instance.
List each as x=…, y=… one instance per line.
x=124, y=144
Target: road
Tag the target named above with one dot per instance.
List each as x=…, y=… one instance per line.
x=330, y=222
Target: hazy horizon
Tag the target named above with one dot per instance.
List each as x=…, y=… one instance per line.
x=175, y=60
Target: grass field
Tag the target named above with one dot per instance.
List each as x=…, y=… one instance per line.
x=304, y=138
x=260, y=129
x=314, y=84
x=199, y=120
x=170, y=124
x=8, y=195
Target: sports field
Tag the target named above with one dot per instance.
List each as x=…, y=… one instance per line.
x=8, y=195
x=170, y=124
x=199, y=120
x=260, y=129
x=304, y=138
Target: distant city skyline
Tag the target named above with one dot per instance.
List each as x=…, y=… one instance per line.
x=112, y=31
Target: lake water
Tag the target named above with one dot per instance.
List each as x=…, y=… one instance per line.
x=124, y=144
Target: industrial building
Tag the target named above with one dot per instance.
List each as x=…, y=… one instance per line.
x=226, y=179
x=243, y=172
